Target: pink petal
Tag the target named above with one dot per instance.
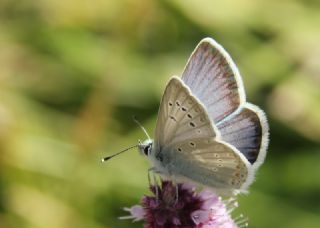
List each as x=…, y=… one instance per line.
x=219, y=209
x=188, y=186
x=176, y=221
x=137, y=212
x=210, y=202
x=153, y=203
x=206, y=194
x=200, y=216
x=209, y=225
x=160, y=218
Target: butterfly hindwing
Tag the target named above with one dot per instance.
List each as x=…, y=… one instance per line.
x=214, y=79
x=209, y=162
x=247, y=130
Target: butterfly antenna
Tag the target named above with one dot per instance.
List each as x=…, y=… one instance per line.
x=140, y=125
x=111, y=156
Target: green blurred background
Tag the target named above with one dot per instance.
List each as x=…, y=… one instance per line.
x=73, y=73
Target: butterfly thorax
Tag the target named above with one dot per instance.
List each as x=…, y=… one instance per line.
x=154, y=155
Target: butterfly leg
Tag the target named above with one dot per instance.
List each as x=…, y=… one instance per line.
x=152, y=172
x=149, y=178
x=156, y=185
x=175, y=183
x=177, y=193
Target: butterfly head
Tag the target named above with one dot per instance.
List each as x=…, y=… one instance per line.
x=145, y=147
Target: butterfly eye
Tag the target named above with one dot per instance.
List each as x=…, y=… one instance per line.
x=146, y=150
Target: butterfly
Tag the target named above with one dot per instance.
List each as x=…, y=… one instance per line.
x=206, y=132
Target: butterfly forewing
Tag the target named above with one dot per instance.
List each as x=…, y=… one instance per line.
x=214, y=79
x=186, y=139
x=181, y=116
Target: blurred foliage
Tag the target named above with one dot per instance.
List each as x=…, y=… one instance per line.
x=73, y=73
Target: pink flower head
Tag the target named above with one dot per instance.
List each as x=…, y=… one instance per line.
x=173, y=206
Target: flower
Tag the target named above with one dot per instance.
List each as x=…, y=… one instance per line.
x=173, y=206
